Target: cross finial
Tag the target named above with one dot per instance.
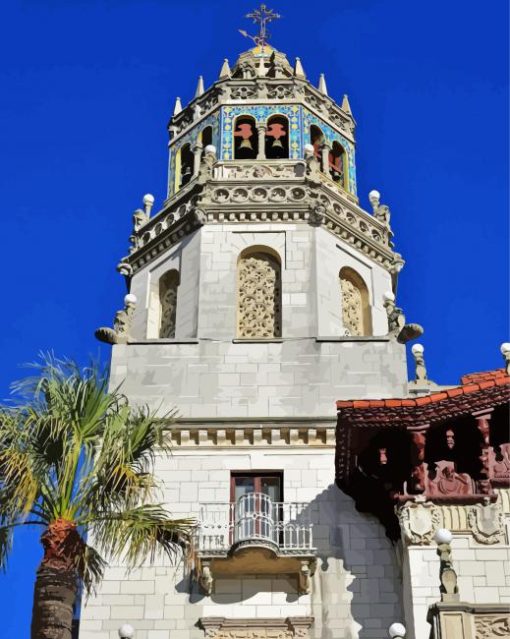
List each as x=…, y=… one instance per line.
x=261, y=16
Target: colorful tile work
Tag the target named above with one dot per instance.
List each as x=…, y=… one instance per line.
x=191, y=137
x=331, y=136
x=261, y=113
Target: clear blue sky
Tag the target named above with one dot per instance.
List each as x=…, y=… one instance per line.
x=87, y=88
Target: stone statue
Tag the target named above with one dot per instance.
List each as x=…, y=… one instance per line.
x=119, y=334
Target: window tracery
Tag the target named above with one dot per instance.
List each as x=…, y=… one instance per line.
x=168, y=285
x=355, y=305
x=259, y=295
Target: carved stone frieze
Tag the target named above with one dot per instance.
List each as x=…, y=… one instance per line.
x=486, y=522
x=492, y=626
x=419, y=521
x=261, y=628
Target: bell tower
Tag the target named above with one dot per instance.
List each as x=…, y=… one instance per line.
x=261, y=288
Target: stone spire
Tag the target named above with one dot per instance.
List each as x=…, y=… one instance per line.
x=345, y=105
x=299, y=72
x=322, y=84
x=200, y=87
x=178, y=106
x=225, y=70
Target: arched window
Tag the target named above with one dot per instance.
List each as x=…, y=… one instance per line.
x=245, y=138
x=277, y=137
x=259, y=293
x=184, y=166
x=355, y=303
x=337, y=164
x=168, y=285
x=316, y=140
x=206, y=138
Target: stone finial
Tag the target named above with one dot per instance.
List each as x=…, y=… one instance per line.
x=121, y=324
x=225, y=70
x=322, y=84
x=374, y=198
x=419, y=363
x=200, y=87
x=178, y=106
x=346, y=105
x=505, y=351
x=447, y=575
x=397, y=631
x=148, y=203
x=299, y=72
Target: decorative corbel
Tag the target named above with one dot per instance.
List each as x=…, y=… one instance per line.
x=205, y=578
x=305, y=581
x=119, y=334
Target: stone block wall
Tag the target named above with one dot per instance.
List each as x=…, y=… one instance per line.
x=356, y=589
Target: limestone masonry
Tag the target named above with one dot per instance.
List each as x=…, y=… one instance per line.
x=261, y=294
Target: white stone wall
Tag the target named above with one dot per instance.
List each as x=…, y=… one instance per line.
x=356, y=590
x=483, y=572
x=311, y=261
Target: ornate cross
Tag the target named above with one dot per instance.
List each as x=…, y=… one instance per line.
x=262, y=17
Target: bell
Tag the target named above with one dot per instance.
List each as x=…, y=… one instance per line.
x=277, y=144
x=246, y=144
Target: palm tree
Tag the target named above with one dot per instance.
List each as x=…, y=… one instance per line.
x=77, y=460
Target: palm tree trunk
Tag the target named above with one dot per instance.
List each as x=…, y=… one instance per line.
x=56, y=583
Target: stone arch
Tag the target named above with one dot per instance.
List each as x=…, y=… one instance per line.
x=259, y=293
x=277, y=137
x=356, y=315
x=337, y=164
x=246, y=144
x=168, y=287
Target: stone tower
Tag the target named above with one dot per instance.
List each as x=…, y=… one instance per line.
x=260, y=294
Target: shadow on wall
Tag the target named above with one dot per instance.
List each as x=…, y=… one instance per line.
x=357, y=586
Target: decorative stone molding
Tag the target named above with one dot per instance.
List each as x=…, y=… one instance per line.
x=261, y=628
x=250, y=435
x=419, y=521
x=486, y=522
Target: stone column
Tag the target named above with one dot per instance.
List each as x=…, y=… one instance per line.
x=197, y=157
x=482, y=423
x=261, y=132
x=325, y=149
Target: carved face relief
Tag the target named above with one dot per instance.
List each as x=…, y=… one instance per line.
x=259, y=296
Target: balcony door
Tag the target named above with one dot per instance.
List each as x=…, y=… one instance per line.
x=255, y=511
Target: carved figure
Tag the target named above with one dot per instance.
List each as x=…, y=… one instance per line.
x=449, y=482
x=121, y=324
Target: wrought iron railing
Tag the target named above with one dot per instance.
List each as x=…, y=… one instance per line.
x=254, y=518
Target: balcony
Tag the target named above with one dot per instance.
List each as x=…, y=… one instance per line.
x=255, y=536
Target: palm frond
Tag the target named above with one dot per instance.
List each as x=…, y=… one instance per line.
x=141, y=533
x=90, y=567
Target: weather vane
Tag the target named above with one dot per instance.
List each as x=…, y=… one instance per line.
x=262, y=17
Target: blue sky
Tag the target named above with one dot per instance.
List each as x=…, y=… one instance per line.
x=87, y=89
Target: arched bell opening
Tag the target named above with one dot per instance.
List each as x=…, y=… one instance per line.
x=277, y=138
x=186, y=165
x=337, y=164
x=316, y=140
x=245, y=138
x=206, y=138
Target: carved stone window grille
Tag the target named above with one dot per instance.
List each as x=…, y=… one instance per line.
x=355, y=306
x=259, y=296
x=168, y=285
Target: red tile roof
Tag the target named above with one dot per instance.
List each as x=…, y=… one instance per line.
x=476, y=392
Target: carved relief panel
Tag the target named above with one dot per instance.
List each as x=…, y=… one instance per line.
x=259, y=296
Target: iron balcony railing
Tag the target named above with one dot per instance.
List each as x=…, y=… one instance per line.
x=255, y=519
